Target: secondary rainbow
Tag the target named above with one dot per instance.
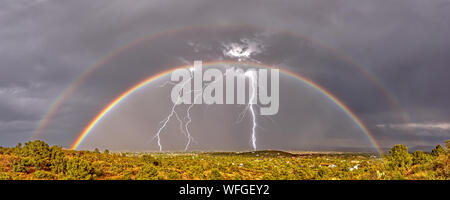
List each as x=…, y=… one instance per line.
x=87, y=130
x=67, y=93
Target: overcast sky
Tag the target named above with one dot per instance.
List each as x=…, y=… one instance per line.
x=46, y=44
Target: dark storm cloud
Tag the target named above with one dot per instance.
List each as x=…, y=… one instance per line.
x=46, y=44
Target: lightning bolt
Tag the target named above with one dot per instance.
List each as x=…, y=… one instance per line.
x=252, y=77
x=189, y=120
x=171, y=114
x=164, y=123
x=253, y=85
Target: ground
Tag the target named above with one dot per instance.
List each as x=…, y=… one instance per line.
x=17, y=164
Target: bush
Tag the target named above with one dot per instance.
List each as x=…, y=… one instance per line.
x=21, y=165
x=58, y=160
x=5, y=176
x=174, y=175
x=151, y=160
x=79, y=169
x=237, y=177
x=399, y=157
x=41, y=174
x=215, y=175
x=418, y=157
x=106, y=151
x=126, y=175
x=39, y=152
x=438, y=150
x=148, y=172
x=441, y=167
x=40, y=155
x=6, y=151
x=17, y=150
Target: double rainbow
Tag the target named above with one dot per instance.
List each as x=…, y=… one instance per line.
x=88, y=129
x=68, y=92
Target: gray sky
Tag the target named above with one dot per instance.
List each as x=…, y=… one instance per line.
x=46, y=44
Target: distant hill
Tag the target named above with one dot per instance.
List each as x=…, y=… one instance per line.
x=278, y=153
x=265, y=153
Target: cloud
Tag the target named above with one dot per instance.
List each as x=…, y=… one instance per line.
x=417, y=126
x=48, y=44
x=244, y=49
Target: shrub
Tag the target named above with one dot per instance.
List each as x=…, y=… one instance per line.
x=41, y=174
x=148, y=172
x=441, y=167
x=58, y=160
x=418, y=157
x=17, y=150
x=79, y=169
x=106, y=151
x=151, y=160
x=438, y=150
x=399, y=157
x=237, y=177
x=39, y=152
x=398, y=176
x=126, y=175
x=36, y=148
x=323, y=173
x=174, y=175
x=215, y=175
x=5, y=176
x=6, y=151
x=40, y=155
x=21, y=165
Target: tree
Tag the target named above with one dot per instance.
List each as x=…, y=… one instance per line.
x=438, y=150
x=39, y=152
x=78, y=168
x=58, y=160
x=399, y=158
x=106, y=151
x=418, y=157
x=96, y=150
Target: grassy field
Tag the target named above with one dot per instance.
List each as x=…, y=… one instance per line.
x=37, y=160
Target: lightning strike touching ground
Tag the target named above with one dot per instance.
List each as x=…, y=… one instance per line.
x=253, y=90
x=188, y=114
x=187, y=120
x=185, y=131
x=164, y=122
x=167, y=119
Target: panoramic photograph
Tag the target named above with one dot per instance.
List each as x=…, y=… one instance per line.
x=241, y=91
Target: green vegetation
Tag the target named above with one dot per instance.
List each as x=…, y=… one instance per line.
x=38, y=160
x=438, y=150
x=399, y=158
x=147, y=172
x=77, y=168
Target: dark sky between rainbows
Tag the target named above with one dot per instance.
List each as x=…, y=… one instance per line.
x=46, y=44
